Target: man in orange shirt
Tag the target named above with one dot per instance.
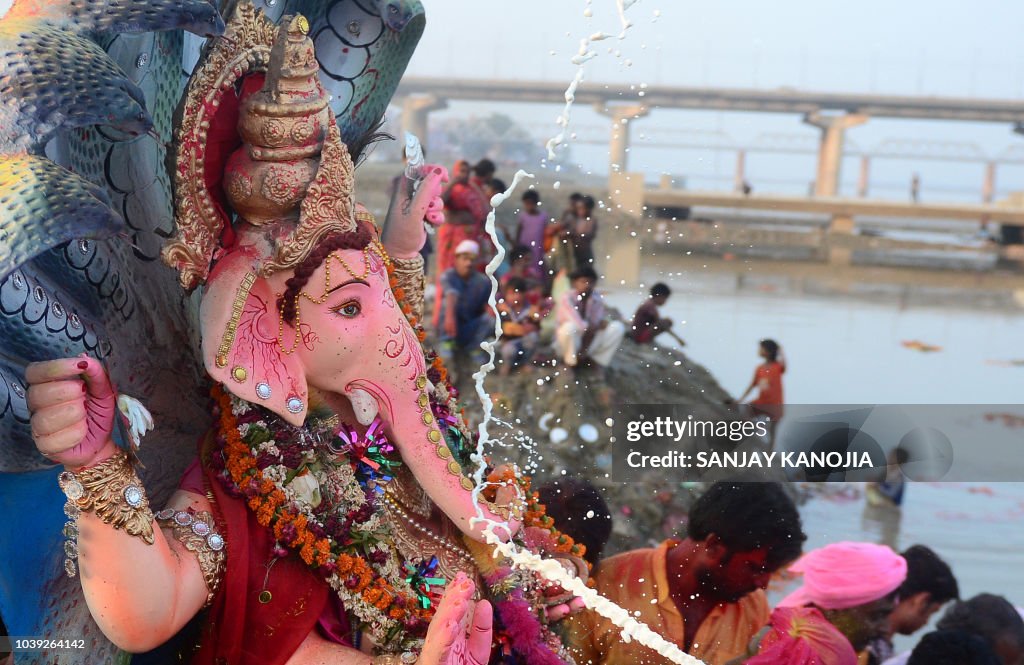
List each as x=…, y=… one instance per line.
x=705, y=593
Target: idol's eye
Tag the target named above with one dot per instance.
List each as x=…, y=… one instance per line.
x=349, y=310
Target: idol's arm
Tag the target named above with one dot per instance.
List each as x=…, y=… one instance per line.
x=141, y=595
x=140, y=583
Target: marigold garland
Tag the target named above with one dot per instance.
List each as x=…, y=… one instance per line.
x=534, y=515
x=273, y=511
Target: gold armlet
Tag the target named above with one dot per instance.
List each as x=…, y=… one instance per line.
x=410, y=277
x=196, y=532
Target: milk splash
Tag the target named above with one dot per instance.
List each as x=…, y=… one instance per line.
x=583, y=55
x=552, y=570
x=548, y=568
x=486, y=368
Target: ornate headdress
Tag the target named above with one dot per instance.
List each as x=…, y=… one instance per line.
x=290, y=179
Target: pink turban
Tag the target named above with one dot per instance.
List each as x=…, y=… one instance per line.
x=802, y=636
x=846, y=574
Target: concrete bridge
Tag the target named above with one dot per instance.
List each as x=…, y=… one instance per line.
x=832, y=113
x=624, y=104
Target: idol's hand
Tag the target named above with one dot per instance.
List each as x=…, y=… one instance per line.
x=460, y=632
x=73, y=407
x=403, y=233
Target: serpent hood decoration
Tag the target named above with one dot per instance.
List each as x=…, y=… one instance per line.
x=203, y=241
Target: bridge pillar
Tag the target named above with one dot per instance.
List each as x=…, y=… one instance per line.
x=622, y=117
x=830, y=153
x=415, y=115
x=622, y=252
x=739, y=180
x=864, y=181
x=988, y=187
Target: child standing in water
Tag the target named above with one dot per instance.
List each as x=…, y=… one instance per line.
x=768, y=380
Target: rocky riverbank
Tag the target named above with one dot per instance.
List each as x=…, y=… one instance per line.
x=555, y=422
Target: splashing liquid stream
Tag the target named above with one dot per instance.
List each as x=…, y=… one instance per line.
x=548, y=568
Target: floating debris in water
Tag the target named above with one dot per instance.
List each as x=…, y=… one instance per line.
x=918, y=345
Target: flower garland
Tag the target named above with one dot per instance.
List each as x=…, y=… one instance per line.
x=519, y=628
x=318, y=507
x=323, y=504
x=535, y=516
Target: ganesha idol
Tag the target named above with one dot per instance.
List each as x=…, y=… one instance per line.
x=330, y=514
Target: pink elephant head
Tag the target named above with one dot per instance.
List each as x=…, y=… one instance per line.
x=298, y=307
x=331, y=331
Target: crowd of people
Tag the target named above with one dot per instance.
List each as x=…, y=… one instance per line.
x=706, y=591
x=549, y=273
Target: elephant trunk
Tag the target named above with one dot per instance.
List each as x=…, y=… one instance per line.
x=411, y=427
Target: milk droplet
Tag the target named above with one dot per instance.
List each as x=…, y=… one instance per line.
x=590, y=514
x=558, y=184
x=588, y=12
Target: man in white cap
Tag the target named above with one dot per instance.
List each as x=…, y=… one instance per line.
x=854, y=586
x=465, y=319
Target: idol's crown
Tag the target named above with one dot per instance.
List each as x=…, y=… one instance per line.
x=283, y=127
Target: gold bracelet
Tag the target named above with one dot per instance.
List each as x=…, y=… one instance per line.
x=114, y=493
x=409, y=275
x=507, y=511
x=196, y=532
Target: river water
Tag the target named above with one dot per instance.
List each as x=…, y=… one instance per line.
x=849, y=351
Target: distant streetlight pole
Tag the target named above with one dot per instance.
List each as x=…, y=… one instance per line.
x=920, y=70
x=873, y=82
x=706, y=61
x=497, y=56
x=757, y=64
x=803, y=66
x=659, y=59
x=974, y=73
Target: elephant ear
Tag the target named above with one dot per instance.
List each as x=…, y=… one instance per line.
x=240, y=330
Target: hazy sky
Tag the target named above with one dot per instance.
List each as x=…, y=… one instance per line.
x=946, y=47
x=939, y=47
x=943, y=47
